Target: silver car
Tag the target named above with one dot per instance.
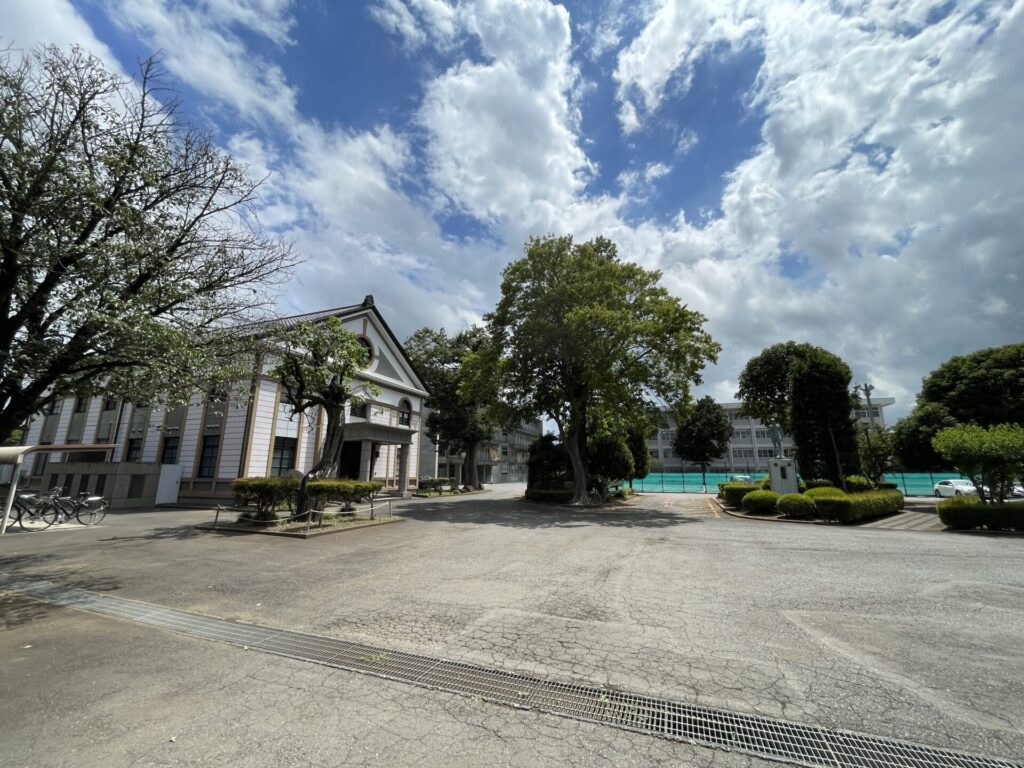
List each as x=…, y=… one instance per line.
x=958, y=487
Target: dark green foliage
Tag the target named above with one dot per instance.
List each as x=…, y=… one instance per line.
x=733, y=493
x=855, y=508
x=609, y=460
x=796, y=505
x=551, y=495
x=344, y=492
x=984, y=388
x=765, y=383
x=765, y=484
x=991, y=517
x=991, y=456
x=819, y=483
x=636, y=439
x=760, y=502
x=824, y=491
x=548, y=465
x=437, y=484
x=822, y=429
x=857, y=484
x=266, y=494
x=702, y=432
x=885, y=486
x=912, y=438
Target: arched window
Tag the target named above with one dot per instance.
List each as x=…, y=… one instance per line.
x=404, y=413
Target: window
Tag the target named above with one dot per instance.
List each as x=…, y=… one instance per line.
x=766, y=453
x=761, y=434
x=283, y=460
x=404, y=413
x=55, y=407
x=654, y=453
x=134, y=452
x=741, y=434
x=743, y=453
x=358, y=411
x=208, y=456
x=81, y=404
x=169, y=452
x=110, y=404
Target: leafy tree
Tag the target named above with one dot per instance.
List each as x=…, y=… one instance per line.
x=912, y=437
x=127, y=242
x=765, y=383
x=548, y=465
x=703, y=432
x=985, y=387
x=990, y=456
x=318, y=365
x=820, y=421
x=577, y=330
x=458, y=415
x=636, y=441
x=609, y=459
x=875, y=447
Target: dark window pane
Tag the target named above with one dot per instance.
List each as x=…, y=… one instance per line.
x=208, y=456
x=283, y=459
x=134, y=452
x=169, y=453
x=359, y=411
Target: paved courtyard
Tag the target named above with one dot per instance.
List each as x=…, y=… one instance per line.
x=899, y=633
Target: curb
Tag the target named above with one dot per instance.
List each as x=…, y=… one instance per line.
x=312, y=534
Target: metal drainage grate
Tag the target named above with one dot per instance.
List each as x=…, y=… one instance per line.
x=759, y=736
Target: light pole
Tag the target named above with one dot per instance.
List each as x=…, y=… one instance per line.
x=867, y=389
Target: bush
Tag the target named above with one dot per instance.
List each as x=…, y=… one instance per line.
x=858, y=484
x=734, y=492
x=766, y=484
x=859, y=506
x=439, y=484
x=347, y=492
x=958, y=501
x=822, y=492
x=796, y=505
x=553, y=495
x=760, y=502
x=966, y=516
x=623, y=493
x=818, y=484
x=888, y=486
x=266, y=494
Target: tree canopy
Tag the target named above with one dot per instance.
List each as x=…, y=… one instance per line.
x=991, y=456
x=578, y=331
x=127, y=240
x=458, y=415
x=703, y=432
x=912, y=437
x=765, y=383
x=985, y=387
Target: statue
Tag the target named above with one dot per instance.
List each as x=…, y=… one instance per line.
x=775, y=432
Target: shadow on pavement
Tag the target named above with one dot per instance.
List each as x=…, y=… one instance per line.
x=16, y=609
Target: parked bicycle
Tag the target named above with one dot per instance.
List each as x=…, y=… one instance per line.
x=88, y=510
x=26, y=511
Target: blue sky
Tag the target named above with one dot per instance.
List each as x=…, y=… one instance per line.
x=840, y=173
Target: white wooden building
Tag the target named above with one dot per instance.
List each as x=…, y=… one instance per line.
x=194, y=451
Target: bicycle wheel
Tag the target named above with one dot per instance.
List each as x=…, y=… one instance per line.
x=90, y=514
x=29, y=518
x=48, y=514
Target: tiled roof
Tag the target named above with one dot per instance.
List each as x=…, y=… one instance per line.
x=293, y=320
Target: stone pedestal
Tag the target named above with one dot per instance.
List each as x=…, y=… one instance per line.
x=783, y=476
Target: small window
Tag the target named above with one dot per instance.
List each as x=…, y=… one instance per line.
x=283, y=460
x=110, y=404
x=358, y=411
x=134, y=452
x=208, y=456
x=141, y=405
x=404, y=413
x=81, y=404
x=169, y=452
x=55, y=407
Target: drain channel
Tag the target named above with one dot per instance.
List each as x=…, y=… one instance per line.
x=758, y=736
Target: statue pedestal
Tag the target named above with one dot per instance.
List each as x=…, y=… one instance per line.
x=783, y=476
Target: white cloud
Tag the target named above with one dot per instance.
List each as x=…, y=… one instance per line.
x=688, y=139
x=28, y=23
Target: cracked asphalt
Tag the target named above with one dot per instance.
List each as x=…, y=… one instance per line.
x=895, y=633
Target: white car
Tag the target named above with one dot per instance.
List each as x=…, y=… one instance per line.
x=946, y=488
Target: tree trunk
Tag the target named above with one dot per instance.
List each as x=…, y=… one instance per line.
x=580, y=476
x=330, y=456
x=704, y=477
x=471, y=478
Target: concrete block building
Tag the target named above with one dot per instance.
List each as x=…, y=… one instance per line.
x=194, y=451
x=501, y=459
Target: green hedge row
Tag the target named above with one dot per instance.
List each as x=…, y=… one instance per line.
x=347, y=492
x=823, y=491
x=797, y=506
x=733, y=493
x=859, y=506
x=965, y=513
x=760, y=502
x=556, y=495
x=267, y=494
x=436, y=484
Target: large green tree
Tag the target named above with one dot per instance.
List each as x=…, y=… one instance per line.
x=579, y=331
x=127, y=240
x=636, y=441
x=820, y=419
x=459, y=415
x=985, y=387
x=703, y=431
x=991, y=456
x=318, y=365
x=912, y=437
x=765, y=383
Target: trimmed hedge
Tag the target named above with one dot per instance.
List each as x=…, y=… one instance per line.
x=858, y=506
x=858, y=484
x=765, y=484
x=733, y=493
x=819, y=484
x=345, y=491
x=888, y=486
x=436, y=484
x=760, y=502
x=796, y=505
x=990, y=517
x=553, y=495
x=823, y=491
x=265, y=493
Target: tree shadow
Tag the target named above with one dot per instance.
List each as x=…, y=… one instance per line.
x=183, y=532
x=30, y=570
x=523, y=514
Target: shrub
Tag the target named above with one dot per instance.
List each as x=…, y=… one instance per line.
x=766, y=484
x=266, y=494
x=438, y=484
x=823, y=491
x=760, y=502
x=347, y=492
x=859, y=506
x=992, y=517
x=858, y=484
x=887, y=486
x=958, y=501
x=818, y=484
x=796, y=505
x=553, y=495
x=734, y=492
